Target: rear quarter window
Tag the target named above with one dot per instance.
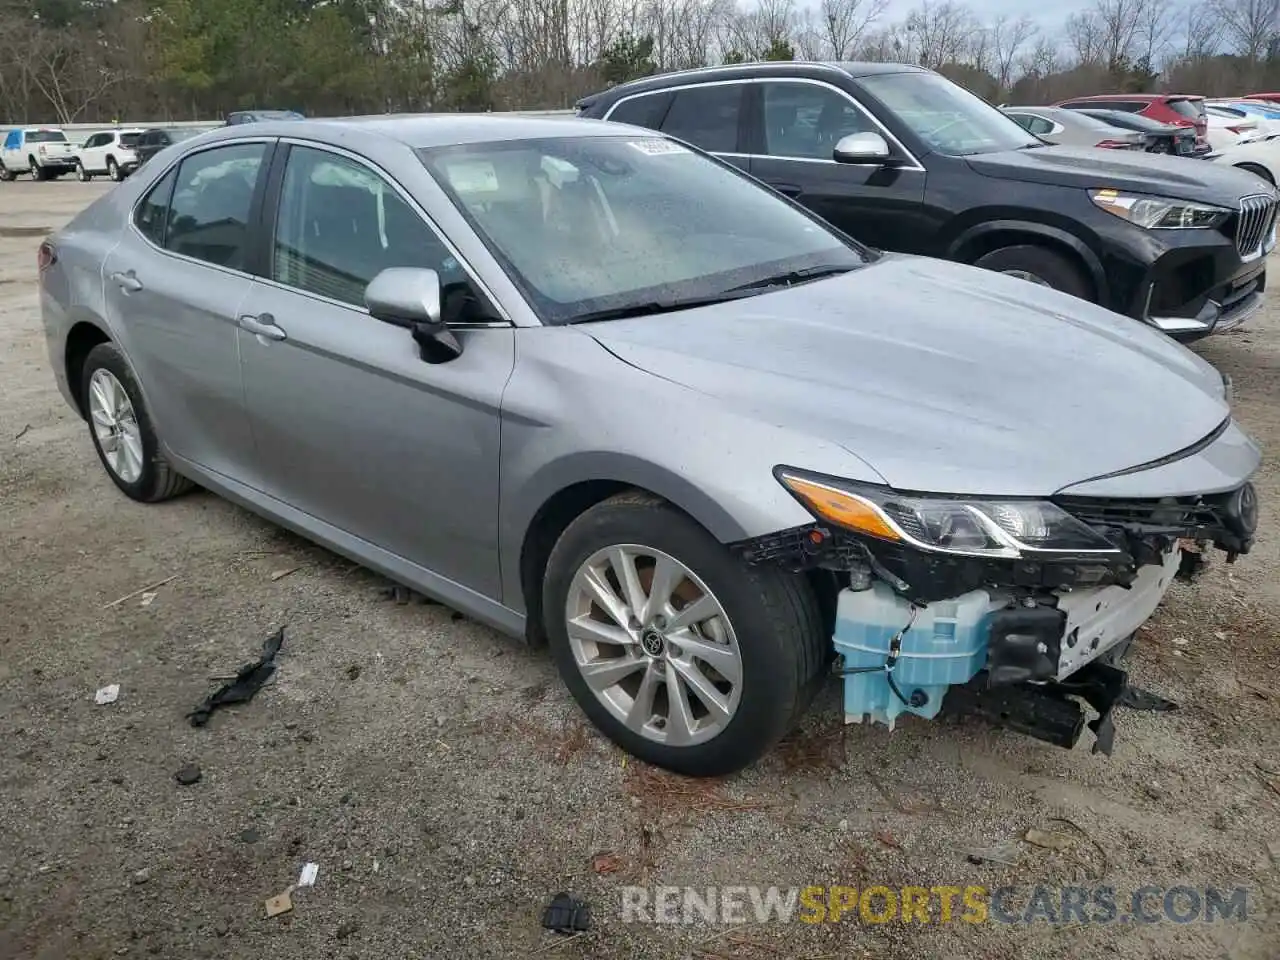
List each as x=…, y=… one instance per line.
x=644, y=111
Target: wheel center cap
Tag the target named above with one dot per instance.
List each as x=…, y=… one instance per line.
x=653, y=642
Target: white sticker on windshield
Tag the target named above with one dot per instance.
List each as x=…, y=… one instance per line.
x=655, y=146
x=472, y=176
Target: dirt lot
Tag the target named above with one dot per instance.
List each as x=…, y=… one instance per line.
x=445, y=783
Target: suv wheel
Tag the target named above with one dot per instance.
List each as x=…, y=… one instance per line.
x=36, y=171
x=122, y=430
x=5, y=173
x=1038, y=265
x=83, y=175
x=113, y=170
x=679, y=652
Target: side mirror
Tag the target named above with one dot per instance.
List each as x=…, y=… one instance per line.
x=410, y=297
x=866, y=148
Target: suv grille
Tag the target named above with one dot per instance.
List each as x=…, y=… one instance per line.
x=1253, y=225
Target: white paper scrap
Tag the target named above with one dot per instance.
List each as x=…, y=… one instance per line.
x=308, y=876
x=108, y=694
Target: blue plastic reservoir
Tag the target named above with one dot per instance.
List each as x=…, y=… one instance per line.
x=945, y=644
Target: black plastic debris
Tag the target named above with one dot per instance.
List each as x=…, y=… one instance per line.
x=248, y=681
x=567, y=914
x=187, y=775
x=1135, y=698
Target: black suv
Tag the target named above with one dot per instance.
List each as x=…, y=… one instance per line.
x=903, y=159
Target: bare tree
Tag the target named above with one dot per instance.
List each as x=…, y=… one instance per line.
x=1008, y=38
x=1156, y=27
x=1201, y=32
x=845, y=21
x=1248, y=24
x=941, y=31
x=1084, y=36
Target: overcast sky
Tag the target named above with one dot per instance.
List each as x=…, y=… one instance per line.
x=1051, y=15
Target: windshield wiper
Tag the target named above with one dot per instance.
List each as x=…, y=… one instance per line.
x=651, y=307
x=792, y=276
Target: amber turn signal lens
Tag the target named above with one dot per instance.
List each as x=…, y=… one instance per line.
x=844, y=509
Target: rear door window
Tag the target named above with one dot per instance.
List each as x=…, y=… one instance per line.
x=707, y=116
x=644, y=111
x=209, y=214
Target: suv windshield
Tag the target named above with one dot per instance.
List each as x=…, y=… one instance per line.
x=46, y=136
x=596, y=227
x=947, y=117
x=1191, y=109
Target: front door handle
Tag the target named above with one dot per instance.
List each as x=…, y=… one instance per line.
x=264, y=325
x=787, y=189
x=127, y=281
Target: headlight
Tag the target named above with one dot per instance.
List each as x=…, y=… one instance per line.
x=1159, y=213
x=966, y=526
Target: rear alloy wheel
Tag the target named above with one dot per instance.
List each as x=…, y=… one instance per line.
x=113, y=169
x=678, y=651
x=36, y=171
x=83, y=175
x=122, y=430
x=1039, y=265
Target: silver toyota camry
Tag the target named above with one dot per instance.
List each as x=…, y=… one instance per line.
x=603, y=391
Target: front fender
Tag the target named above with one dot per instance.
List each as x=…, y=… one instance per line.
x=1043, y=231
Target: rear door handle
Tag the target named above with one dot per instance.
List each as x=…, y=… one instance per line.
x=127, y=281
x=264, y=325
x=789, y=189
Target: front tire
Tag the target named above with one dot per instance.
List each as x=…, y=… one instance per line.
x=1038, y=265
x=5, y=173
x=679, y=652
x=83, y=175
x=122, y=430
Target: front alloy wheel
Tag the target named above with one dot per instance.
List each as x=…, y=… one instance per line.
x=82, y=174
x=657, y=650
x=675, y=648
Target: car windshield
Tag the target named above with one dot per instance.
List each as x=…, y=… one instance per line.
x=46, y=136
x=947, y=117
x=594, y=227
x=1191, y=109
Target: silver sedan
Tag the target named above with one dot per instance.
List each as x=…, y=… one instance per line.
x=598, y=389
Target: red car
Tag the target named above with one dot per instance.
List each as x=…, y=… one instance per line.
x=1172, y=108
x=1273, y=97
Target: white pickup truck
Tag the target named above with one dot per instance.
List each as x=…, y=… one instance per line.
x=43, y=152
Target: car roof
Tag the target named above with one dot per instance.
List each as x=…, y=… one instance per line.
x=421, y=131
x=1149, y=97
x=764, y=68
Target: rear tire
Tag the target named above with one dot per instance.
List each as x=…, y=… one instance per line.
x=37, y=172
x=113, y=170
x=155, y=478
x=1039, y=265
x=765, y=618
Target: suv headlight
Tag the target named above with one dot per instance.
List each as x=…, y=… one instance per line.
x=1159, y=213
x=967, y=526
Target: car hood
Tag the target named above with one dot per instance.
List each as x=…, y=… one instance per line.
x=1090, y=168
x=941, y=377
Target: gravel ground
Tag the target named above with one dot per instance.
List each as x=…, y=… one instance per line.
x=445, y=783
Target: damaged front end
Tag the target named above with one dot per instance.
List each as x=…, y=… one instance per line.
x=1014, y=610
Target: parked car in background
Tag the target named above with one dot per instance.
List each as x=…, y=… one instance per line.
x=1229, y=127
x=111, y=152
x=1259, y=109
x=1161, y=137
x=904, y=159
x=256, y=116
x=41, y=152
x=1260, y=157
x=525, y=334
x=152, y=141
x=1075, y=129
x=1177, y=109
x=1270, y=97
